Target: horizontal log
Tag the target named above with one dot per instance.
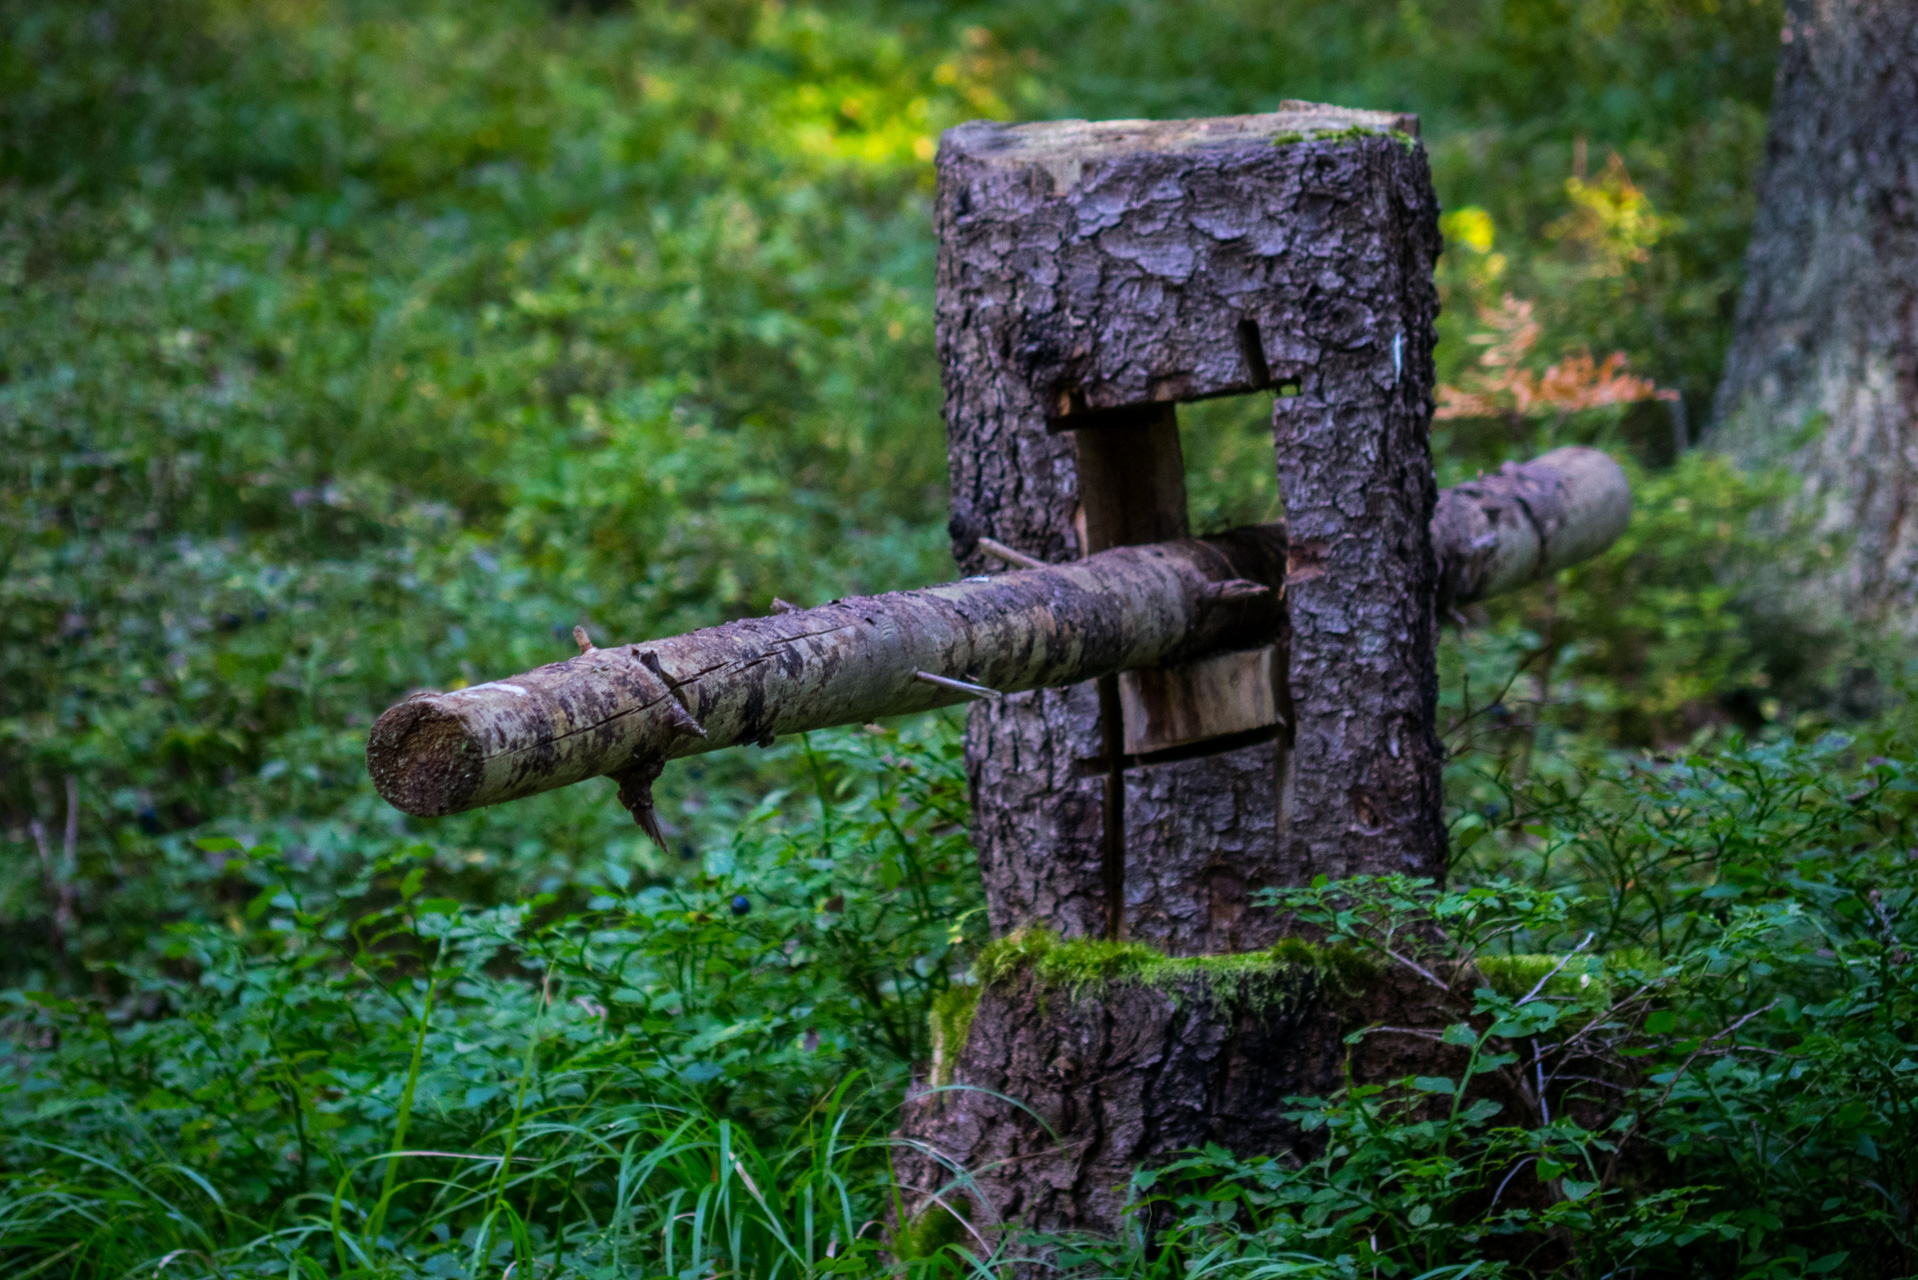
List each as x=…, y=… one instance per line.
x=1527, y=521
x=625, y=711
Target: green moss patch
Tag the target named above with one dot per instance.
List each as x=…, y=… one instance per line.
x=1085, y=966
x=1583, y=977
x=928, y=1233
x=1347, y=134
x=952, y=1011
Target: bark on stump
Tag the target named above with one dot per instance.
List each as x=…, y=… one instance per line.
x=1090, y=277
x=1125, y=1075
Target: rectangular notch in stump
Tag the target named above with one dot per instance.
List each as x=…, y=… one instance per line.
x=1132, y=491
x=1131, y=476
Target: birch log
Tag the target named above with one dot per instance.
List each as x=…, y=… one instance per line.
x=1527, y=521
x=624, y=711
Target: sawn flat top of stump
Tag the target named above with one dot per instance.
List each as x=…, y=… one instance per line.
x=989, y=142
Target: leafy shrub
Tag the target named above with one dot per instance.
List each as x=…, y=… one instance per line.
x=1731, y=1089
x=378, y=1081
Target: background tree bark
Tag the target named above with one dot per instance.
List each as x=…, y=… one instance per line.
x=1822, y=375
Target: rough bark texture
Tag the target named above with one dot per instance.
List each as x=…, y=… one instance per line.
x=1199, y=837
x=842, y=663
x=1125, y=1077
x=1038, y=810
x=1822, y=375
x=1091, y=268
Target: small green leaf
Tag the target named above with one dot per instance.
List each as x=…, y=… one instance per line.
x=1420, y=1215
x=1434, y=1084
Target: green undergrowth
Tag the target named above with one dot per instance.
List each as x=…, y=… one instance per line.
x=1086, y=966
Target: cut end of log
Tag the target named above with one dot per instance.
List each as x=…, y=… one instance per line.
x=423, y=759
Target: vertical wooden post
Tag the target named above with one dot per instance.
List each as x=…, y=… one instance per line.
x=1091, y=276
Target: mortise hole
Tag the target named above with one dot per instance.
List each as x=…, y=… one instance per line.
x=1288, y=388
x=1231, y=468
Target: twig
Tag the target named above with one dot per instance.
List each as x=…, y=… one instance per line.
x=59, y=875
x=1508, y=1180
x=1000, y=551
x=1563, y=961
x=1611, y=1166
x=963, y=686
x=69, y=859
x=1419, y=969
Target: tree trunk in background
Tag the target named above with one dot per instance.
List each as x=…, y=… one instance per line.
x=1822, y=376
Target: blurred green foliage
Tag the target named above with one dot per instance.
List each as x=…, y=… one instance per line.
x=349, y=348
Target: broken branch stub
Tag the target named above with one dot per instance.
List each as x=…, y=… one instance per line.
x=625, y=710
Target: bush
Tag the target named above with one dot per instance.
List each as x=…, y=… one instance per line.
x=1686, y=1043
x=376, y=1081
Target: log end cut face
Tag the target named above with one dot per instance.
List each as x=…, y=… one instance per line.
x=424, y=759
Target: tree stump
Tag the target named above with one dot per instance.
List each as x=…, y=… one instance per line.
x=1130, y=1070
x=1091, y=276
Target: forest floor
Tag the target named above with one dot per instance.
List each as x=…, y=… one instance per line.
x=348, y=349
